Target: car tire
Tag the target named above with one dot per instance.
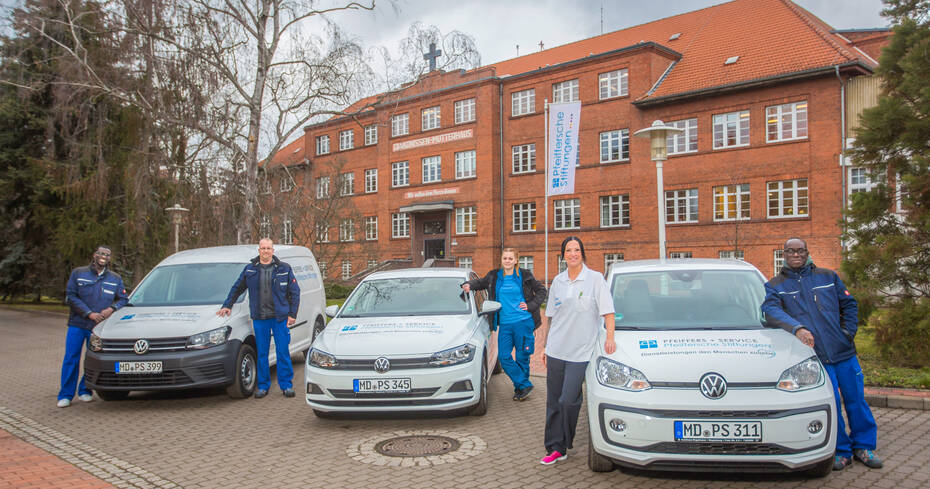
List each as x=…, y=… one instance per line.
x=112, y=395
x=596, y=461
x=481, y=408
x=324, y=414
x=245, y=373
x=318, y=328
x=821, y=470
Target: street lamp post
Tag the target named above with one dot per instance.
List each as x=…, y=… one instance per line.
x=177, y=214
x=657, y=134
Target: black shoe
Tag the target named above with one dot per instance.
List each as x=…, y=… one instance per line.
x=260, y=393
x=522, y=394
x=289, y=392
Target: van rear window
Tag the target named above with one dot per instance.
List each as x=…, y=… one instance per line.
x=192, y=284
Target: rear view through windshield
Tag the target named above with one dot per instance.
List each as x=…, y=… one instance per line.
x=686, y=299
x=194, y=284
x=411, y=296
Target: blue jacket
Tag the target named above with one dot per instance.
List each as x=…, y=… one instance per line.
x=284, y=292
x=88, y=292
x=815, y=299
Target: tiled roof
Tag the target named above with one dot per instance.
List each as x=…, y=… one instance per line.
x=291, y=154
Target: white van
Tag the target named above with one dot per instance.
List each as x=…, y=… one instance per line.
x=169, y=337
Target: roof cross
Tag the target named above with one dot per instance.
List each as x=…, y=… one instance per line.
x=432, y=55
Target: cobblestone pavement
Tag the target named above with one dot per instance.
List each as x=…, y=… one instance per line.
x=204, y=439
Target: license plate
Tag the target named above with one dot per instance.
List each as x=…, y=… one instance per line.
x=745, y=431
x=381, y=385
x=138, y=367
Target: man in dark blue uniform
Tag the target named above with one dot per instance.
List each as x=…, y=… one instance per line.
x=273, y=301
x=93, y=294
x=813, y=304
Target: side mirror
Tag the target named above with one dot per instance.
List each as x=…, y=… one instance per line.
x=490, y=307
x=331, y=311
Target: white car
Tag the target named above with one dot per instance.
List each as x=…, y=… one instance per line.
x=698, y=383
x=405, y=340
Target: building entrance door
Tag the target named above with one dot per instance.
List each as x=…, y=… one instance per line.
x=434, y=248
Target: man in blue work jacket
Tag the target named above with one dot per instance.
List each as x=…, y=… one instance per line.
x=93, y=293
x=813, y=304
x=273, y=301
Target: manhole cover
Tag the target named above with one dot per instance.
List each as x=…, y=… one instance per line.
x=417, y=446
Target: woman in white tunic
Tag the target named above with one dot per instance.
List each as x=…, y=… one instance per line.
x=577, y=297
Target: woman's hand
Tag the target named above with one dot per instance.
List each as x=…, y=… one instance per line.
x=610, y=346
x=522, y=305
x=466, y=287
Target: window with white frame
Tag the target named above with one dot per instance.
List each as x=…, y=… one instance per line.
x=322, y=187
x=264, y=184
x=567, y=213
x=731, y=254
x=680, y=254
x=786, y=122
x=371, y=228
x=287, y=232
x=682, y=142
x=371, y=180
x=346, y=269
x=400, y=125
x=371, y=135
x=430, y=118
x=526, y=263
x=900, y=193
x=778, y=258
x=860, y=180
x=347, y=230
x=524, y=217
x=346, y=140
x=681, y=205
x=465, y=262
x=322, y=232
x=400, y=225
x=466, y=220
x=265, y=228
x=432, y=169
x=465, y=111
x=524, y=158
x=613, y=84
x=731, y=202
x=465, y=164
x=523, y=102
x=347, y=186
x=286, y=183
x=615, y=145
x=322, y=145
x=400, y=174
x=615, y=211
x=322, y=265
x=610, y=259
x=788, y=198
x=372, y=263
x=562, y=264
x=731, y=129
x=566, y=91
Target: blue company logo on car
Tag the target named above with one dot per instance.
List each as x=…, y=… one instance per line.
x=644, y=344
x=127, y=317
x=350, y=328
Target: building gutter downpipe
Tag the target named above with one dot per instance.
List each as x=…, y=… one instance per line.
x=843, y=170
x=500, y=113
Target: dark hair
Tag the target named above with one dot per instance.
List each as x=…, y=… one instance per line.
x=103, y=247
x=797, y=238
x=580, y=245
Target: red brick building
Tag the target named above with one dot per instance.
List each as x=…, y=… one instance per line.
x=452, y=165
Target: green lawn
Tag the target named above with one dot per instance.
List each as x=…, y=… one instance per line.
x=46, y=305
x=883, y=372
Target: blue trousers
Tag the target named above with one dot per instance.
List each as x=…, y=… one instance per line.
x=75, y=342
x=515, y=344
x=863, y=432
x=264, y=328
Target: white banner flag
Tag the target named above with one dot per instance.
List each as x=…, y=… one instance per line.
x=564, y=124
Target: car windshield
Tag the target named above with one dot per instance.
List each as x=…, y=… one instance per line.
x=688, y=299
x=407, y=296
x=187, y=285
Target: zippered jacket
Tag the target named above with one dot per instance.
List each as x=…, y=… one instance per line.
x=89, y=292
x=816, y=299
x=534, y=292
x=284, y=290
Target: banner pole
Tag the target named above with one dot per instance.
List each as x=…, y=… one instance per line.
x=546, y=186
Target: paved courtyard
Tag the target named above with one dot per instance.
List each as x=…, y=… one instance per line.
x=204, y=439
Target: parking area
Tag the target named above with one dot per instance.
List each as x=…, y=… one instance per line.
x=204, y=439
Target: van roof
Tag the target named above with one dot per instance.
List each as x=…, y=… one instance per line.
x=231, y=254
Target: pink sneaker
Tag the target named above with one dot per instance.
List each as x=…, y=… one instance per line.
x=553, y=458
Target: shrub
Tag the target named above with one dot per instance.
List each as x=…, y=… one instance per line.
x=902, y=332
x=336, y=291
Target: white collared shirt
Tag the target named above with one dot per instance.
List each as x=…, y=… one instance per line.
x=574, y=309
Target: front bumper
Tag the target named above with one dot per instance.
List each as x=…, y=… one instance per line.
x=180, y=370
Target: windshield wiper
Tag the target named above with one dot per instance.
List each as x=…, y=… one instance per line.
x=629, y=328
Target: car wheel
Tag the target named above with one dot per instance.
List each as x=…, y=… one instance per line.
x=822, y=469
x=112, y=395
x=596, y=461
x=481, y=408
x=324, y=414
x=318, y=328
x=246, y=373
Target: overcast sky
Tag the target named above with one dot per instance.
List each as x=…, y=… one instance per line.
x=498, y=26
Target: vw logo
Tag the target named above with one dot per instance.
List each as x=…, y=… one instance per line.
x=140, y=347
x=713, y=385
x=382, y=365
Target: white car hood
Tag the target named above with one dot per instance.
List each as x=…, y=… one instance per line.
x=684, y=356
x=161, y=322
x=399, y=336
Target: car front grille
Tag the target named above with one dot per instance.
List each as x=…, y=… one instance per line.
x=369, y=363
x=155, y=344
x=720, y=448
x=350, y=394
x=211, y=372
x=390, y=403
x=141, y=381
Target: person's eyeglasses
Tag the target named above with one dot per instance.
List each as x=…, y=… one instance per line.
x=103, y=253
x=795, y=251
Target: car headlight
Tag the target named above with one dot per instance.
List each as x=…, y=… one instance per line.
x=208, y=339
x=620, y=376
x=96, y=344
x=321, y=359
x=805, y=375
x=452, y=356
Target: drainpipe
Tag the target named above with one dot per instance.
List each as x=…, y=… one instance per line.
x=843, y=173
x=500, y=113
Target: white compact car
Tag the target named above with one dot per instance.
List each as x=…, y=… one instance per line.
x=405, y=340
x=697, y=383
